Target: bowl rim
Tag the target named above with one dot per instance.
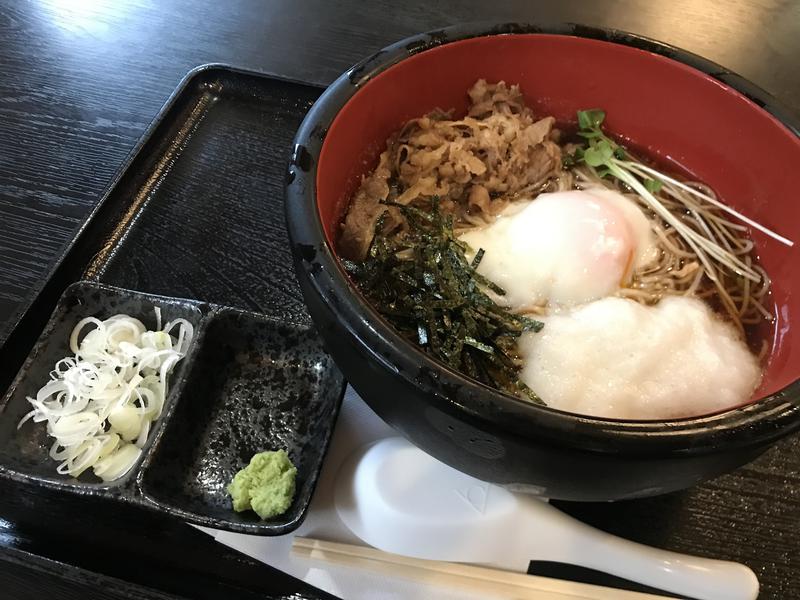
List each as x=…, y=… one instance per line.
x=755, y=424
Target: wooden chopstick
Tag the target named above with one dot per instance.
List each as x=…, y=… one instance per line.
x=497, y=583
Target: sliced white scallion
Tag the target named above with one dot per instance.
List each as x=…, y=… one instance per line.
x=118, y=463
x=100, y=404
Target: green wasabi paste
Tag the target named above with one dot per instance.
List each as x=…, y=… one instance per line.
x=266, y=485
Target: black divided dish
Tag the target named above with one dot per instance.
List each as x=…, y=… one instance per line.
x=194, y=224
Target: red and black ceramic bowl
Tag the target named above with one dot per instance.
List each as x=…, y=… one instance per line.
x=677, y=106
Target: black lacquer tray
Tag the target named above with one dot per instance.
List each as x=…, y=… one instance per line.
x=194, y=225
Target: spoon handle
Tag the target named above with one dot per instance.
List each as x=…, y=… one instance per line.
x=559, y=537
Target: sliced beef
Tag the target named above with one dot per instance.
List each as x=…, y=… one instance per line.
x=496, y=153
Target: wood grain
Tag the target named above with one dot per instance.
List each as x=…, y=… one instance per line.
x=17, y=571
x=80, y=81
x=95, y=549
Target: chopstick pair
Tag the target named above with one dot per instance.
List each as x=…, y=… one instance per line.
x=492, y=582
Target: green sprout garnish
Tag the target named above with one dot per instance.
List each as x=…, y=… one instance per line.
x=607, y=158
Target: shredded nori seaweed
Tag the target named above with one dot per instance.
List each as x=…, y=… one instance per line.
x=421, y=281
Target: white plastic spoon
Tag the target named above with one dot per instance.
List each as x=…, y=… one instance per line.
x=399, y=499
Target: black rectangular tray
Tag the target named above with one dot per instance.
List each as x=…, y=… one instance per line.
x=194, y=222
x=211, y=167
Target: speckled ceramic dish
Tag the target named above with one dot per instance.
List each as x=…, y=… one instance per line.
x=248, y=384
x=254, y=385
x=675, y=105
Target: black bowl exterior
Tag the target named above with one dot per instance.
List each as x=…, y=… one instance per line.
x=476, y=429
x=434, y=420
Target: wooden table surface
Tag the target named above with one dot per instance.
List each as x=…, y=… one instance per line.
x=80, y=80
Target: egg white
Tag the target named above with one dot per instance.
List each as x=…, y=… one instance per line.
x=563, y=248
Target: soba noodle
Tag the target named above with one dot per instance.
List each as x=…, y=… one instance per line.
x=678, y=270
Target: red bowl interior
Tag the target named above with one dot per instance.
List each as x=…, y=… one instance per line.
x=678, y=114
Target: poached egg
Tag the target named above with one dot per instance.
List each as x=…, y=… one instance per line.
x=563, y=248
